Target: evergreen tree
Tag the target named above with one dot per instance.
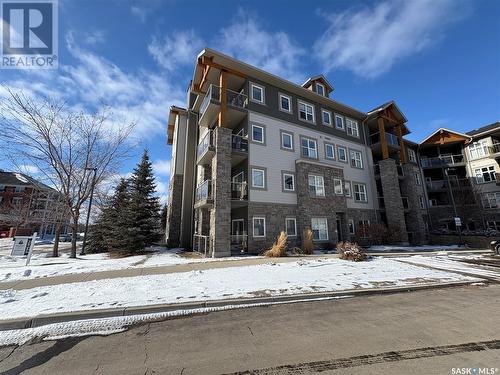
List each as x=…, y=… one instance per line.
x=120, y=220
x=96, y=242
x=163, y=222
x=144, y=206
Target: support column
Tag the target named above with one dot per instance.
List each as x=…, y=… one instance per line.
x=402, y=147
x=383, y=142
x=411, y=190
x=220, y=215
x=223, y=97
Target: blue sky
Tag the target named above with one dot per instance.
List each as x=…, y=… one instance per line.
x=439, y=60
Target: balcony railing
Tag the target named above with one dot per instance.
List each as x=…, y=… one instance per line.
x=239, y=143
x=495, y=148
x=390, y=138
x=233, y=98
x=236, y=99
x=436, y=184
x=204, y=191
x=213, y=93
x=442, y=160
x=206, y=142
x=239, y=191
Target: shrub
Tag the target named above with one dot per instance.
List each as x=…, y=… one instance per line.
x=378, y=234
x=279, y=247
x=351, y=251
x=307, y=241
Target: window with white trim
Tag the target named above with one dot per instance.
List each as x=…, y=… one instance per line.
x=490, y=200
x=306, y=112
x=342, y=153
x=350, y=224
x=339, y=122
x=418, y=181
x=356, y=159
x=479, y=149
x=257, y=133
x=288, y=182
x=258, y=178
x=309, y=148
x=287, y=141
x=257, y=93
x=259, y=226
x=360, y=193
x=329, y=151
x=320, y=89
x=352, y=127
x=319, y=227
x=326, y=117
x=285, y=103
x=412, y=155
x=337, y=186
x=485, y=174
x=291, y=226
x=316, y=185
x=347, y=189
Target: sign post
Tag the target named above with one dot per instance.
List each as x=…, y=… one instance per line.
x=458, y=225
x=23, y=246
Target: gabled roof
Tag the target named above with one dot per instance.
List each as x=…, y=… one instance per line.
x=458, y=136
x=385, y=106
x=319, y=77
x=21, y=179
x=485, y=129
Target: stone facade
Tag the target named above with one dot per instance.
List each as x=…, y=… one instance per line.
x=173, y=228
x=392, y=197
x=220, y=215
x=415, y=214
x=358, y=215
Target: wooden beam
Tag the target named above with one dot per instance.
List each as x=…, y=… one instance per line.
x=212, y=64
x=223, y=98
x=402, y=147
x=383, y=142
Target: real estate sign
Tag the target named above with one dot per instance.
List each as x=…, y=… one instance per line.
x=23, y=246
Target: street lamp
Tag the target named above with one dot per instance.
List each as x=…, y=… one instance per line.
x=90, y=206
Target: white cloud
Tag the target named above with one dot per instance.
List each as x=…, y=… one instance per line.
x=94, y=37
x=30, y=170
x=161, y=167
x=247, y=39
x=140, y=12
x=180, y=47
x=370, y=40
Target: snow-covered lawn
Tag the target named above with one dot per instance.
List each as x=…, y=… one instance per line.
x=14, y=268
x=395, y=248
x=303, y=276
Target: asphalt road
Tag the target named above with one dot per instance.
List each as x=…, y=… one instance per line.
x=426, y=332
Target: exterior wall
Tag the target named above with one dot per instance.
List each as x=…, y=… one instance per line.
x=415, y=217
x=179, y=146
x=359, y=215
x=173, y=229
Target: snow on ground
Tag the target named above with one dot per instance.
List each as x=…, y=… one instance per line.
x=396, y=248
x=303, y=276
x=14, y=268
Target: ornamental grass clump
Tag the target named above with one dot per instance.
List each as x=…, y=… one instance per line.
x=351, y=251
x=307, y=241
x=279, y=247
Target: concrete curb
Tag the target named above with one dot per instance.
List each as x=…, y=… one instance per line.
x=41, y=320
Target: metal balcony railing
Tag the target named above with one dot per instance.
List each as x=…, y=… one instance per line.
x=213, y=93
x=233, y=98
x=239, y=143
x=495, y=148
x=436, y=184
x=205, y=143
x=391, y=139
x=239, y=191
x=236, y=99
x=442, y=160
x=204, y=191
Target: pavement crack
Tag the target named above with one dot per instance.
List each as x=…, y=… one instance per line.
x=250, y=329
x=8, y=355
x=182, y=371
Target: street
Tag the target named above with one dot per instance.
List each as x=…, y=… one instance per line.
x=426, y=332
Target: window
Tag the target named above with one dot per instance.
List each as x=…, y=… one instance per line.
x=258, y=178
x=360, y=193
x=309, y=148
x=350, y=224
x=412, y=155
x=320, y=89
x=329, y=151
x=352, y=127
x=16, y=201
x=20, y=189
x=347, y=189
x=319, y=226
x=306, y=112
x=356, y=159
x=363, y=226
x=285, y=103
x=287, y=141
x=288, y=182
x=485, y=174
x=326, y=117
x=316, y=185
x=490, y=200
x=339, y=122
x=478, y=149
x=257, y=134
x=259, y=226
x=418, y=181
x=291, y=226
x=421, y=201
x=342, y=153
x=337, y=186
x=257, y=93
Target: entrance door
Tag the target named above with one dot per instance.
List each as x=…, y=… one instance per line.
x=339, y=229
x=237, y=227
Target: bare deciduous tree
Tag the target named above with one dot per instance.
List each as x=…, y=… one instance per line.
x=64, y=145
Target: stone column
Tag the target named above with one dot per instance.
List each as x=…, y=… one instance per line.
x=413, y=191
x=392, y=198
x=220, y=215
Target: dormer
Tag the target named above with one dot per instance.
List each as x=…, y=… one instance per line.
x=319, y=84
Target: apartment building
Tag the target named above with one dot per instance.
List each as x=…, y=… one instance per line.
x=461, y=177
x=28, y=206
x=254, y=154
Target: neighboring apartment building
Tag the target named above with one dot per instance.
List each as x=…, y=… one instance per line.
x=461, y=177
x=28, y=206
x=254, y=154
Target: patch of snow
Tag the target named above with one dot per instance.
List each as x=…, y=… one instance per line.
x=396, y=248
x=303, y=276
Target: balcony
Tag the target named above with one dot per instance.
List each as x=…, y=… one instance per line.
x=206, y=149
x=391, y=140
x=203, y=196
x=495, y=150
x=239, y=194
x=436, y=185
x=442, y=161
x=239, y=148
x=210, y=107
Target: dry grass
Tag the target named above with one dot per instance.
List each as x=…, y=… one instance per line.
x=279, y=247
x=351, y=251
x=307, y=241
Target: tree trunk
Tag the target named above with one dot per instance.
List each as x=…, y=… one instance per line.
x=74, y=231
x=55, y=249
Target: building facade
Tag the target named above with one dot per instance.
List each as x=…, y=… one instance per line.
x=254, y=154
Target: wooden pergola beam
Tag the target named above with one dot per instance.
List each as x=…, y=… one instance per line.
x=383, y=142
